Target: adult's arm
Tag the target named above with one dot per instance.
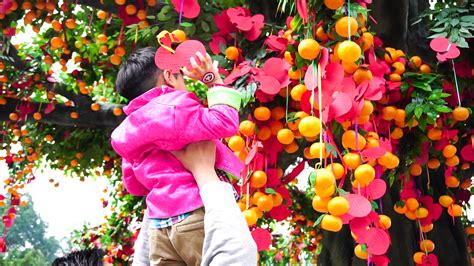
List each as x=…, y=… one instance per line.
x=141, y=246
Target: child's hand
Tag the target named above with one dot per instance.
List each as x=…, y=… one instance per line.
x=207, y=71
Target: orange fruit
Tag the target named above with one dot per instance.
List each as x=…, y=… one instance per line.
x=452, y=182
x=256, y=195
x=391, y=55
x=398, y=68
x=258, y=179
x=247, y=128
x=389, y=112
x=264, y=133
x=412, y=204
x=285, y=136
x=291, y=148
x=278, y=113
x=338, y=206
x=131, y=10
x=349, y=140
x=297, y=92
x=37, y=116
x=452, y=161
x=309, y=49
x=141, y=14
x=115, y=59
x=366, y=41
x=460, y=113
x=236, y=143
x=342, y=26
x=333, y=4
x=419, y=257
x=400, y=115
x=427, y=228
x=321, y=34
x=318, y=149
x=361, y=75
x=324, y=179
x=120, y=51
x=250, y=217
x=415, y=169
x=349, y=51
x=70, y=23
x=294, y=74
x=289, y=58
x=275, y=127
x=310, y=126
x=449, y=151
x=395, y=77
x=421, y=213
x=331, y=223
x=433, y=163
x=400, y=209
x=425, y=69
x=101, y=14
x=232, y=53
x=265, y=203
x=320, y=204
x=242, y=155
x=352, y=160
x=427, y=245
x=415, y=62
x=74, y=115
x=277, y=199
x=410, y=215
x=337, y=169
x=434, y=134
x=95, y=107
x=294, y=124
x=349, y=67
x=367, y=108
x=455, y=210
x=372, y=143
x=364, y=174
x=392, y=162
x=469, y=230
x=363, y=255
x=102, y=38
x=262, y=113
x=57, y=42
x=385, y=221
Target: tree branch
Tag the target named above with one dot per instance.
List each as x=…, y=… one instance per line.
x=61, y=114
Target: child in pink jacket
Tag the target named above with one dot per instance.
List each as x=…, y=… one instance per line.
x=163, y=116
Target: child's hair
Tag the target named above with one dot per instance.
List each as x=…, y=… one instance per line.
x=89, y=257
x=138, y=74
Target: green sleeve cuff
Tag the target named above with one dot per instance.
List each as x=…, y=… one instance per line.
x=223, y=95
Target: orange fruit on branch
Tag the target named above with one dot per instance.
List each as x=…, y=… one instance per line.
x=338, y=206
x=415, y=169
x=346, y=25
x=449, y=151
x=349, y=51
x=232, y=53
x=264, y=133
x=258, y=179
x=412, y=204
x=309, y=49
x=363, y=255
x=361, y=75
x=324, y=179
x=364, y=174
x=265, y=203
x=262, y=113
x=427, y=245
x=349, y=139
x=278, y=113
x=385, y=221
x=337, y=169
x=460, y=113
x=351, y=160
x=250, y=217
x=318, y=149
x=333, y=4
x=297, y=92
x=310, y=126
x=285, y=136
x=320, y=204
x=57, y=42
x=366, y=41
x=331, y=223
x=236, y=143
x=247, y=128
x=455, y=210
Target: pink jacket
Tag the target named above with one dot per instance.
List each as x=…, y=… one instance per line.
x=163, y=120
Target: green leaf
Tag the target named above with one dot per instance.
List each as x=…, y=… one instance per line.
x=205, y=26
x=404, y=86
x=318, y=221
x=186, y=24
x=462, y=43
x=312, y=178
x=341, y=191
x=454, y=22
x=270, y=191
x=374, y=205
x=441, y=34
x=443, y=109
x=319, y=248
x=418, y=112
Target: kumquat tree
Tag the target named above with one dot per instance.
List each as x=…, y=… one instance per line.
x=356, y=120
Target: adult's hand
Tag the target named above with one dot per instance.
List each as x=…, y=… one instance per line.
x=207, y=71
x=199, y=158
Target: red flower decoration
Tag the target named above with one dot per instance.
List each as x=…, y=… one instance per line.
x=239, y=20
x=189, y=8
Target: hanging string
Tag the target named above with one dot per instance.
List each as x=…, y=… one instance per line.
x=428, y=175
x=456, y=83
x=349, y=20
x=181, y=12
x=423, y=239
x=286, y=106
x=320, y=103
x=312, y=92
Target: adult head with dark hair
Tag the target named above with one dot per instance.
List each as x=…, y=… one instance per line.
x=88, y=257
x=139, y=74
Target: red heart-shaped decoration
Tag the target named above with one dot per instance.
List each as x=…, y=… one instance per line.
x=164, y=59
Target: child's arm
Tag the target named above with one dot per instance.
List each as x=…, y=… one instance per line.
x=221, y=119
x=130, y=181
x=195, y=122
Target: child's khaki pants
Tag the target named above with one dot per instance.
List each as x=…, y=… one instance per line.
x=179, y=244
